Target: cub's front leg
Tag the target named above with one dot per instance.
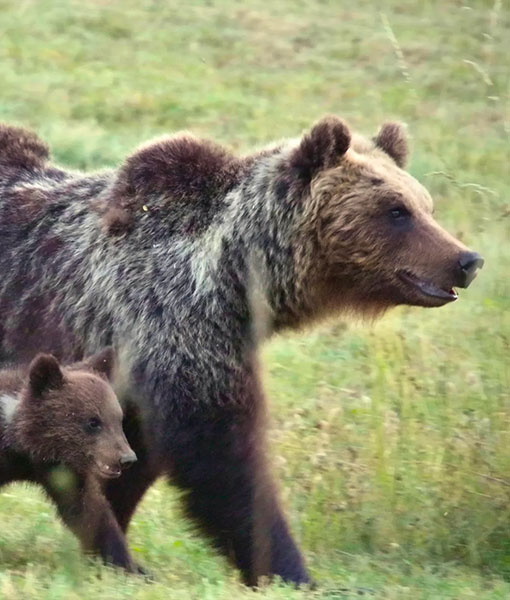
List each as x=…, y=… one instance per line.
x=84, y=508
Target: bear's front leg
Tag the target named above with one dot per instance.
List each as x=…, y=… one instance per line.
x=217, y=459
x=85, y=510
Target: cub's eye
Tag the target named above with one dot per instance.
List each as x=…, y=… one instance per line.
x=398, y=213
x=93, y=425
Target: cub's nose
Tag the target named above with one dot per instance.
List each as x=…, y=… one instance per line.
x=469, y=263
x=126, y=460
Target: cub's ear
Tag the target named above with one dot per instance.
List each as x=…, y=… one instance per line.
x=103, y=362
x=45, y=374
x=392, y=138
x=322, y=147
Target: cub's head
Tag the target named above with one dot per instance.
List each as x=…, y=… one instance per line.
x=71, y=415
x=372, y=223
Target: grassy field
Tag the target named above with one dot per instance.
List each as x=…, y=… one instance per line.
x=392, y=440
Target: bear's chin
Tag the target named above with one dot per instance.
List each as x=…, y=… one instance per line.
x=106, y=471
x=370, y=303
x=424, y=292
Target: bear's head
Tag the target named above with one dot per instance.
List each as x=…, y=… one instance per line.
x=369, y=224
x=71, y=415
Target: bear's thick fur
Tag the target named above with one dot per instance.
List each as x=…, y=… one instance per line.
x=185, y=259
x=61, y=427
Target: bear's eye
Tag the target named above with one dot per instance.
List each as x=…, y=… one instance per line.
x=93, y=425
x=399, y=212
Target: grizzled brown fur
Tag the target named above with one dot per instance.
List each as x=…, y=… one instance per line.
x=21, y=149
x=184, y=259
x=181, y=169
x=61, y=427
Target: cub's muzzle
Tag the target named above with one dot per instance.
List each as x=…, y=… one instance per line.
x=126, y=460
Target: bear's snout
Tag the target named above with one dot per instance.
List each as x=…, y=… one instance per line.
x=126, y=460
x=468, y=265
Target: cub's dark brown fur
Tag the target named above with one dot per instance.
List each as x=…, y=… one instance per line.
x=61, y=427
x=184, y=259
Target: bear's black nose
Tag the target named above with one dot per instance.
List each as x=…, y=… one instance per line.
x=469, y=263
x=126, y=460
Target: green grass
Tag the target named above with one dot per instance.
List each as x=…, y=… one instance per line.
x=392, y=441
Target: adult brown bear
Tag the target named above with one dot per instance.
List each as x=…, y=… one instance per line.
x=184, y=259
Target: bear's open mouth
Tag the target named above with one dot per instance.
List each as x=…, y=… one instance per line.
x=428, y=288
x=107, y=471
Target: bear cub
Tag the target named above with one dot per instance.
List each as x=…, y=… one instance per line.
x=61, y=427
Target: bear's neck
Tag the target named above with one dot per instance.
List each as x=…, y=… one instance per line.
x=257, y=241
x=247, y=268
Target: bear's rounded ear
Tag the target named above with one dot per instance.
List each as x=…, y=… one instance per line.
x=321, y=148
x=392, y=138
x=103, y=362
x=45, y=374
